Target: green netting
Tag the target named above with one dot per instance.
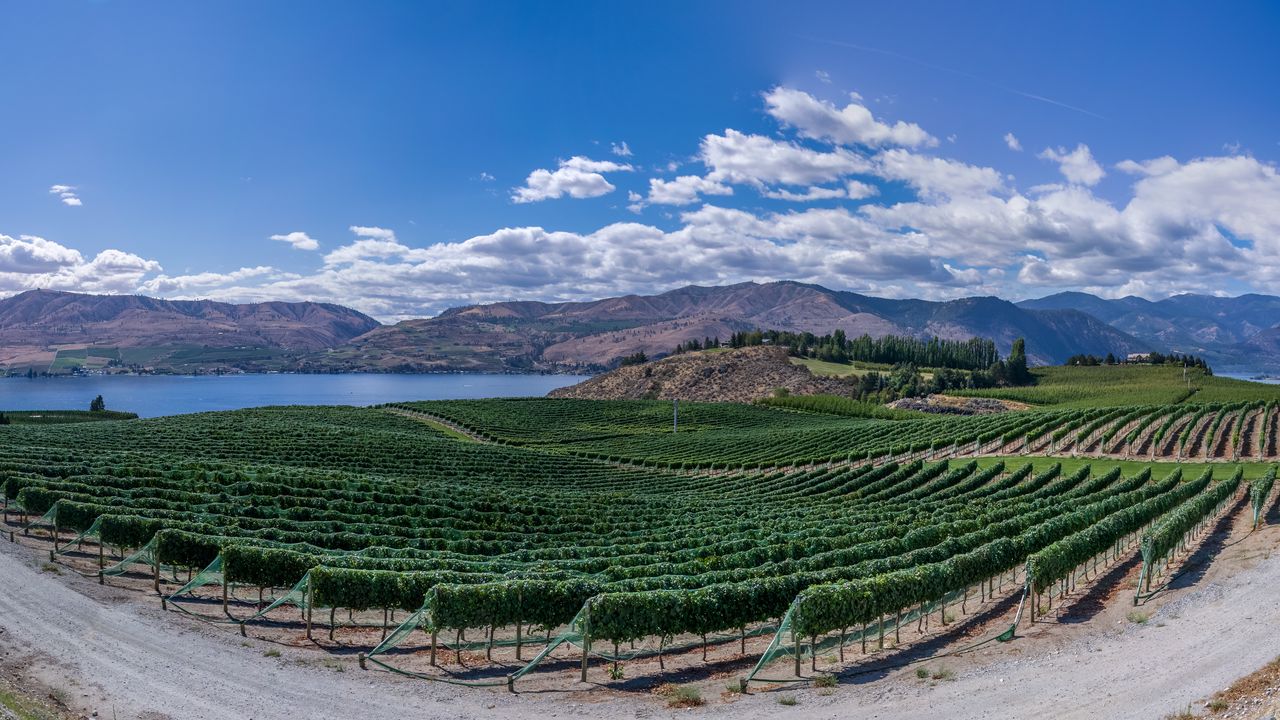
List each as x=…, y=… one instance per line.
x=574, y=634
x=48, y=520
x=146, y=555
x=92, y=531
x=1153, y=566
x=210, y=575
x=422, y=618
x=299, y=595
x=786, y=644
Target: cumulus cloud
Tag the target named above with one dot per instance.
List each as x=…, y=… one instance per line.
x=683, y=190
x=1012, y=141
x=923, y=225
x=737, y=157
x=852, y=190
x=621, y=149
x=851, y=125
x=299, y=240
x=200, y=283
x=28, y=262
x=67, y=194
x=1077, y=166
x=578, y=177
x=1154, y=166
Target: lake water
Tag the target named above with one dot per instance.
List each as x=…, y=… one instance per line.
x=155, y=395
x=1251, y=377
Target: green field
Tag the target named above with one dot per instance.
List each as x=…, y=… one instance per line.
x=852, y=369
x=63, y=417
x=598, y=521
x=1114, y=385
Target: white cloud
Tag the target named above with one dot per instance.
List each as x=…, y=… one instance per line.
x=1077, y=166
x=28, y=262
x=755, y=160
x=683, y=190
x=1012, y=141
x=201, y=283
x=823, y=76
x=852, y=125
x=620, y=149
x=936, y=177
x=1155, y=166
x=578, y=177
x=67, y=194
x=942, y=228
x=852, y=190
x=372, y=232
x=299, y=240
x=855, y=190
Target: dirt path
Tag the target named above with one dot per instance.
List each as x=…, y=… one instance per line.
x=114, y=651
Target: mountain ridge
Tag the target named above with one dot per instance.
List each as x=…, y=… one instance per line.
x=37, y=328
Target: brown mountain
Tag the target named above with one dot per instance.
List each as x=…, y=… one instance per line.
x=36, y=325
x=514, y=336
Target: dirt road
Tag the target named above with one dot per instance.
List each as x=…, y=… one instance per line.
x=115, y=651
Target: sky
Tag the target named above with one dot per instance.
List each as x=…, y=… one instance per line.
x=406, y=157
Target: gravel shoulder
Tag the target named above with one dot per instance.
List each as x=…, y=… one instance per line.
x=113, y=651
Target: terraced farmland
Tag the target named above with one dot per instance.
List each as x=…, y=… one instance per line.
x=594, y=525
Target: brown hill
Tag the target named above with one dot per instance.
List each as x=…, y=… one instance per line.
x=742, y=375
x=594, y=335
x=39, y=322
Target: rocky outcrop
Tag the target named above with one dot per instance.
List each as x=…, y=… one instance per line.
x=742, y=375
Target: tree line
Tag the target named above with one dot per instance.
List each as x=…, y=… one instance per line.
x=1151, y=358
x=972, y=354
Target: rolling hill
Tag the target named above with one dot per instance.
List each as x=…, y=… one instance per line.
x=63, y=331
x=42, y=329
x=1231, y=332
x=514, y=336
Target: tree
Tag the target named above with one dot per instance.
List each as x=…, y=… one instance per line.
x=4, y=419
x=98, y=404
x=1018, y=373
x=1111, y=359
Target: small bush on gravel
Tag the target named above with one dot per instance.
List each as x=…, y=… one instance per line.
x=787, y=700
x=922, y=673
x=679, y=696
x=944, y=674
x=271, y=653
x=825, y=681
x=1138, y=617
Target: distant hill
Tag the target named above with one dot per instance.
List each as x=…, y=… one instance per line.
x=65, y=331
x=525, y=335
x=39, y=327
x=1240, y=332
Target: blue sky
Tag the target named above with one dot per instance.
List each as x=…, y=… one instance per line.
x=413, y=156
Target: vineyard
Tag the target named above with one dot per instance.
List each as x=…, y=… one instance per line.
x=480, y=541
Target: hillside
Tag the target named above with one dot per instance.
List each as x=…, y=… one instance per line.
x=1232, y=332
x=742, y=375
x=60, y=331
x=43, y=329
x=592, y=335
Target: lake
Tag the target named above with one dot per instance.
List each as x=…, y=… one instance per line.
x=155, y=395
x=1251, y=377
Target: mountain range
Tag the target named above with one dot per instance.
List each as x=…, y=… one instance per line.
x=47, y=330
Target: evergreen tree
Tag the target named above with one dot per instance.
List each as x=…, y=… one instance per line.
x=98, y=404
